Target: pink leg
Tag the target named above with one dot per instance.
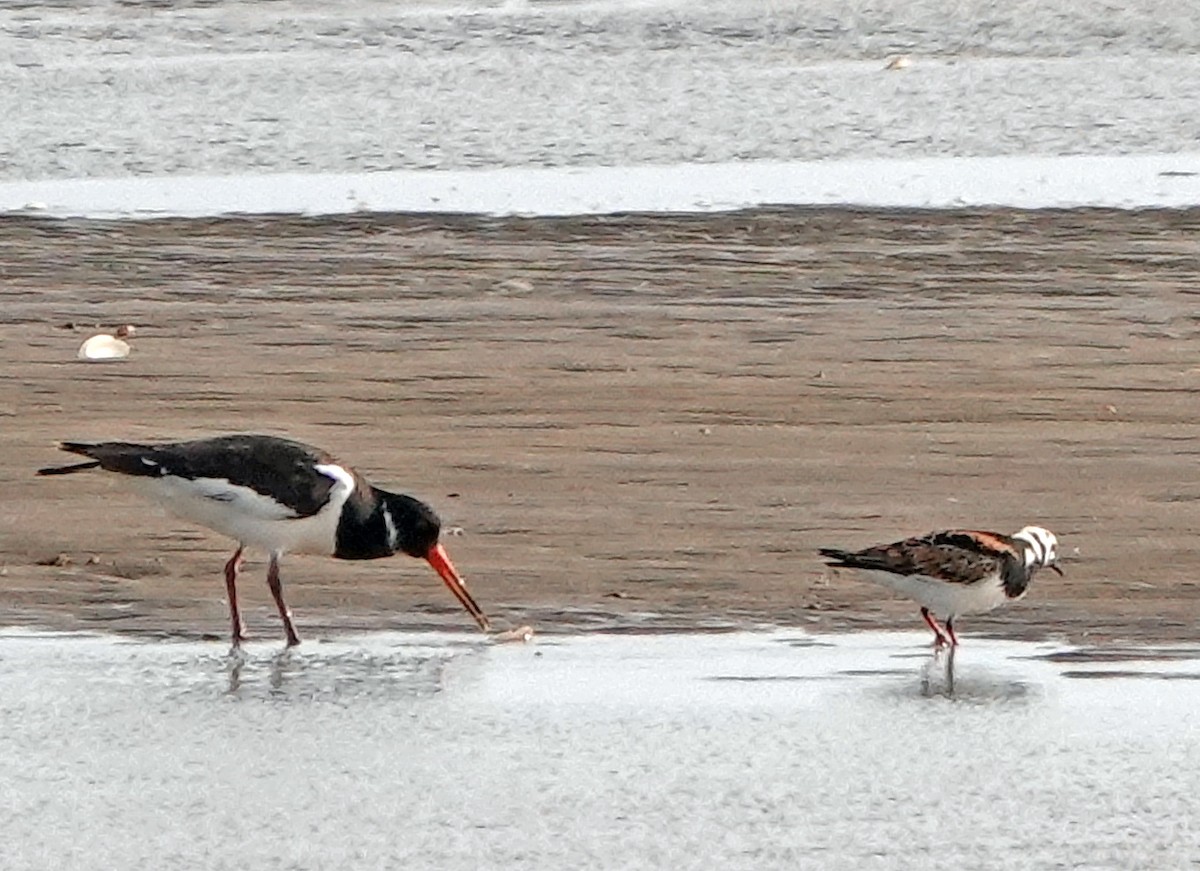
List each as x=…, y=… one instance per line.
x=940, y=638
x=231, y=572
x=277, y=591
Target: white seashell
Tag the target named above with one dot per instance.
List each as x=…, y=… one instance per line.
x=106, y=347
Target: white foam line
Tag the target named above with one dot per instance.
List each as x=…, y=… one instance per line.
x=1028, y=182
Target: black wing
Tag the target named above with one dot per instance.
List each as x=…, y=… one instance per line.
x=281, y=469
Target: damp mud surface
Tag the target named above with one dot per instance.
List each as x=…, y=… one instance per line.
x=737, y=750
x=637, y=422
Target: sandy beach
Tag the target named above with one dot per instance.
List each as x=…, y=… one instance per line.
x=638, y=422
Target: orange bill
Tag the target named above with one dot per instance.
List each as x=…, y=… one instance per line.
x=441, y=564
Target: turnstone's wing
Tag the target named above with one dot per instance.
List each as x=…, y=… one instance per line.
x=957, y=556
x=282, y=470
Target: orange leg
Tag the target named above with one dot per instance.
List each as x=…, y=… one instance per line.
x=940, y=639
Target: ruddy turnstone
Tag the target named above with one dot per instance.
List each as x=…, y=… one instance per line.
x=958, y=571
x=279, y=495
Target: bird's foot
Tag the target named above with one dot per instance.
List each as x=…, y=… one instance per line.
x=951, y=638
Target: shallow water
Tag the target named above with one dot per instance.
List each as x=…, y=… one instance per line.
x=94, y=88
x=741, y=750
x=299, y=106
x=1127, y=182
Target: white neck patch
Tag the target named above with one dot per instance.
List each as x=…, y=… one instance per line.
x=392, y=534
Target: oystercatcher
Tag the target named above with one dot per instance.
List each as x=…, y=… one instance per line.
x=955, y=572
x=279, y=495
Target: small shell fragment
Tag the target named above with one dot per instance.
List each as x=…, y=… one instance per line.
x=523, y=634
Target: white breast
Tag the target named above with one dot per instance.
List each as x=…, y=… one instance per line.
x=943, y=598
x=249, y=517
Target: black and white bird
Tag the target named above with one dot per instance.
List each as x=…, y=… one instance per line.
x=281, y=496
x=955, y=572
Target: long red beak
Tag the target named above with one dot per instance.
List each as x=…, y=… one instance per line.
x=442, y=565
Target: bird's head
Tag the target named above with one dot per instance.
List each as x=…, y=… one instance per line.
x=413, y=528
x=1041, y=548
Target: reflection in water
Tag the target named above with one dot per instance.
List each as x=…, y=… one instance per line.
x=236, y=662
x=962, y=677
x=296, y=674
x=275, y=675
x=937, y=675
x=276, y=666
x=390, y=751
x=974, y=677
x=949, y=673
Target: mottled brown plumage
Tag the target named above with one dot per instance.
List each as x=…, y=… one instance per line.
x=956, y=571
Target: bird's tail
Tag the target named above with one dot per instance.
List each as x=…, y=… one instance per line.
x=83, y=448
x=66, y=470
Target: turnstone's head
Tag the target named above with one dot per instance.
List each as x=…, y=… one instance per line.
x=1041, y=548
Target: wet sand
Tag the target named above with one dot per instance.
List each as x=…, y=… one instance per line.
x=638, y=422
